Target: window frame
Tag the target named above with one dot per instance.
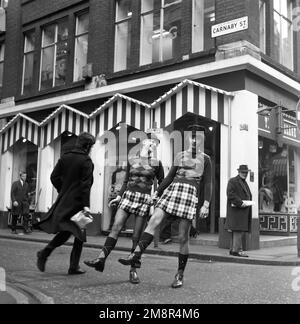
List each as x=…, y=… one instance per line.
x=33, y=52
x=54, y=44
x=290, y=23
x=262, y=3
x=76, y=37
x=118, y=22
x=161, y=10
x=2, y=44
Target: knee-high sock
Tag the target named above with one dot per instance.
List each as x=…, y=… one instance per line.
x=182, y=262
x=135, y=243
x=109, y=245
x=145, y=241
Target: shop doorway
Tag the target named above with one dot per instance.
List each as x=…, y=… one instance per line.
x=25, y=159
x=212, y=148
x=114, y=176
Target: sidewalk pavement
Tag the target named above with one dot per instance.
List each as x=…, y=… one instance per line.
x=275, y=256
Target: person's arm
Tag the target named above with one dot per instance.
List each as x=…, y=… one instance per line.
x=232, y=196
x=13, y=192
x=160, y=173
x=207, y=187
x=207, y=178
x=56, y=176
x=86, y=181
x=167, y=181
x=125, y=183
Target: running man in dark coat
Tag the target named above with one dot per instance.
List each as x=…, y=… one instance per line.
x=239, y=210
x=73, y=178
x=20, y=203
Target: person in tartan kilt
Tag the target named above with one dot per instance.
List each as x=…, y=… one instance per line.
x=134, y=199
x=179, y=194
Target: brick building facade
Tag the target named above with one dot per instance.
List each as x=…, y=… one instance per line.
x=65, y=58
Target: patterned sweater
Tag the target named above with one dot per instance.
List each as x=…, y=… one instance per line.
x=140, y=175
x=191, y=170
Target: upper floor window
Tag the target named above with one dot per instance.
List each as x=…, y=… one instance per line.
x=81, y=45
x=160, y=30
x=3, y=3
x=122, y=34
x=203, y=18
x=262, y=25
x=2, y=52
x=54, y=55
x=28, y=62
x=283, y=33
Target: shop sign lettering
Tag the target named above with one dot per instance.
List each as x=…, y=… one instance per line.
x=230, y=27
x=274, y=223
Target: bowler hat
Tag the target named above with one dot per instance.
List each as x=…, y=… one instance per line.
x=244, y=168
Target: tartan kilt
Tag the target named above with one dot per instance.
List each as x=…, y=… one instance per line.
x=179, y=200
x=136, y=203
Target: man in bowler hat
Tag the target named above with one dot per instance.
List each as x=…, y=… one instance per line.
x=239, y=210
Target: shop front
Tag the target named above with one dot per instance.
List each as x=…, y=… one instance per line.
x=279, y=176
x=230, y=120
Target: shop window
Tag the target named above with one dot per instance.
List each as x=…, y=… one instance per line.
x=25, y=158
x=122, y=34
x=81, y=45
x=203, y=19
x=54, y=55
x=160, y=30
x=2, y=52
x=277, y=179
x=262, y=25
x=28, y=62
x=283, y=33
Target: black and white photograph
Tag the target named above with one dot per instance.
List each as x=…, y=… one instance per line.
x=149, y=155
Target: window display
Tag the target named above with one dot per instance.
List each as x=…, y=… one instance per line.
x=277, y=178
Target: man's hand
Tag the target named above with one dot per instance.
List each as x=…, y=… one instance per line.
x=154, y=197
x=204, y=212
x=114, y=201
x=16, y=204
x=87, y=210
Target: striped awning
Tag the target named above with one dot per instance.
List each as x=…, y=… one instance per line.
x=63, y=119
x=192, y=97
x=120, y=109
x=20, y=127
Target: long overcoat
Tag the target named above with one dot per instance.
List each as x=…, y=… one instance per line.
x=20, y=194
x=238, y=218
x=73, y=178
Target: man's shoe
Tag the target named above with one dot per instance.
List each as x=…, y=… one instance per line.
x=132, y=260
x=133, y=277
x=41, y=261
x=98, y=264
x=240, y=254
x=74, y=272
x=167, y=241
x=178, y=281
x=14, y=232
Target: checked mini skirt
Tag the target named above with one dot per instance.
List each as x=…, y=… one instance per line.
x=179, y=200
x=136, y=203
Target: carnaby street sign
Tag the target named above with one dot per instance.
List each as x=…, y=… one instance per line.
x=230, y=27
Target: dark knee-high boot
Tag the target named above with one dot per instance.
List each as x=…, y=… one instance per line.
x=135, y=259
x=99, y=262
x=182, y=262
